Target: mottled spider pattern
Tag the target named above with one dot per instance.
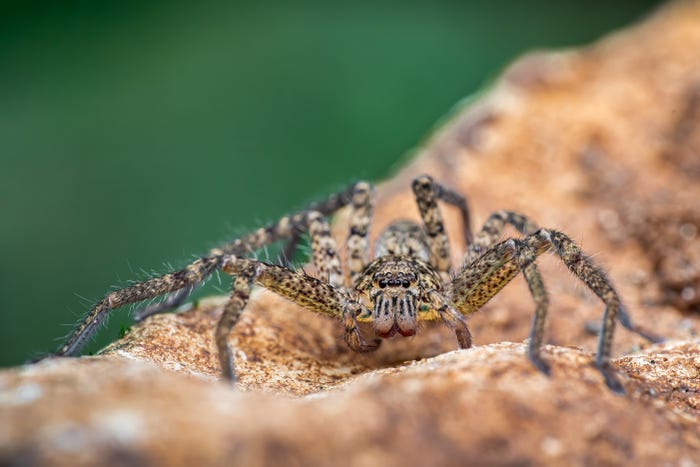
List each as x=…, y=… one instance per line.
x=410, y=279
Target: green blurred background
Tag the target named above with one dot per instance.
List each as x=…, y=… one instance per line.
x=134, y=135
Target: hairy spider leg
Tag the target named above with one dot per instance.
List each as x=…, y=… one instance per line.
x=526, y=260
x=427, y=192
x=323, y=249
x=307, y=291
x=240, y=246
x=360, y=197
x=182, y=282
x=480, y=280
x=245, y=273
x=288, y=227
x=595, y=278
x=490, y=233
x=191, y=274
x=323, y=296
x=302, y=289
x=452, y=318
x=326, y=207
x=357, y=254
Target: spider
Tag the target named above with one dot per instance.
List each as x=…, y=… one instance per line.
x=410, y=278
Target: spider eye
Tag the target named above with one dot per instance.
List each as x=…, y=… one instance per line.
x=382, y=283
x=405, y=283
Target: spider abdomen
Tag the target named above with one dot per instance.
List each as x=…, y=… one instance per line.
x=403, y=238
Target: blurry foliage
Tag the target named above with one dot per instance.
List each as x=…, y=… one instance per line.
x=135, y=133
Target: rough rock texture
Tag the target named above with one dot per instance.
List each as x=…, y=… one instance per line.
x=602, y=143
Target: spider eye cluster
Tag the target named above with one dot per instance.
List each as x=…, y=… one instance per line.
x=399, y=279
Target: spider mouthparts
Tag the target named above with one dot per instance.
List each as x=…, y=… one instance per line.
x=386, y=334
x=394, y=329
x=395, y=313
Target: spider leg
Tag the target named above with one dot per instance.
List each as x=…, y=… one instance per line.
x=323, y=248
x=327, y=207
x=488, y=274
x=353, y=336
x=360, y=218
x=182, y=282
x=452, y=318
x=243, y=245
x=245, y=275
x=304, y=290
x=192, y=274
x=325, y=258
x=489, y=234
x=427, y=192
x=240, y=246
x=539, y=296
x=289, y=227
x=624, y=318
x=324, y=255
x=492, y=230
x=460, y=202
x=596, y=280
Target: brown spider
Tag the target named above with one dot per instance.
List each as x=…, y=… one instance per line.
x=409, y=280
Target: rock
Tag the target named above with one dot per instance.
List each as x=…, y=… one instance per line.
x=601, y=143
x=485, y=405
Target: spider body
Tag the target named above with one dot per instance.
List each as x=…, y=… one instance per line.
x=396, y=283
x=410, y=278
x=397, y=288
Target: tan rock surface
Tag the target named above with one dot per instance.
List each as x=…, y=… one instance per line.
x=602, y=143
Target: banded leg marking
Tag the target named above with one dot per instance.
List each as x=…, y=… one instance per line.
x=323, y=248
x=360, y=219
x=427, y=192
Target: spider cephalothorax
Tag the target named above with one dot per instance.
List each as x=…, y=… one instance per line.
x=410, y=279
x=395, y=294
